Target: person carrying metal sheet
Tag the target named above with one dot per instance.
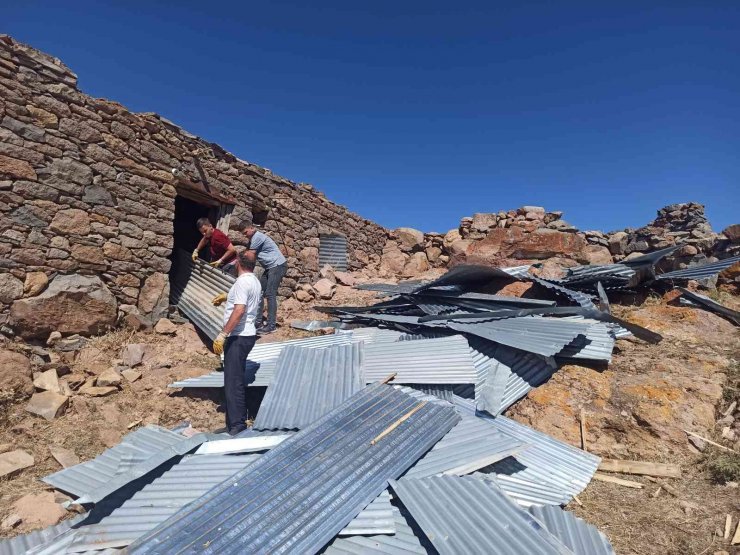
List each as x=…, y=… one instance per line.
x=238, y=337
x=222, y=252
x=275, y=265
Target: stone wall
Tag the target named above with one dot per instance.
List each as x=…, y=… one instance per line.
x=88, y=187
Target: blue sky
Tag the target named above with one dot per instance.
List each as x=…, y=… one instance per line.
x=419, y=113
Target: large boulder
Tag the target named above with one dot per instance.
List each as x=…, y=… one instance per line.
x=513, y=242
x=393, y=260
x=596, y=254
x=417, y=265
x=732, y=232
x=16, y=379
x=154, y=297
x=409, y=239
x=71, y=304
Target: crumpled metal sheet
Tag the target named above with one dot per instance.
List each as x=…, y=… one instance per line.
x=702, y=271
x=308, y=383
x=579, y=536
x=300, y=494
x=461, y=514
x=695, y=299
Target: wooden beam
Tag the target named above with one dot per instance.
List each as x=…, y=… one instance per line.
x=641, y=467
x=728, y=527
x=612, y=480
x=736, y=537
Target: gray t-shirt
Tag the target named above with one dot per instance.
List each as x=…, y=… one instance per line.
x=268, y=253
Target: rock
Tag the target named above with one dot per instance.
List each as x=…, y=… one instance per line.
x=596, y=254
x=325, y=288
x=632, y=256
x=700, y=444
x=303, y=296
x=94, y=391
x=11, y=288
x=409, y=239
x=618, y=242
x=16, y=169
x=72, y=304
x=35, y=283
x=450, y=237
x=689, y=507
x=47, y=381
x=108, y=378
x=132, y=355
x=15, y=377
x=10, y=522
x=137, y=322
x=165, y=327
x=732, y=232
x=71, y=222
x=327, y=272
x=345, y=278
x=417, y=264
x=64, y=457
x=54, y=337
x=513, y=242
x=561, y=225
x=39, y=510
x=47, y=404
x=433, y=254
x=131, y=375
x=459, y=247
x=728, y=433
x=393, y=260
x=530, y=209
x=14, y=461
x=687, y=250
x=515, y=289
x=5, y=447
x=483, y=222
x=154, y=297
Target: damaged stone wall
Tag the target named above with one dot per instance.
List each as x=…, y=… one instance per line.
x=87, y=188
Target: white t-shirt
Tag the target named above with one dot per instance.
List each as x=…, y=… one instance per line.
x=246, y=291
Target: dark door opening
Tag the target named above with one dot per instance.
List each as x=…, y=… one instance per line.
x=187, y=213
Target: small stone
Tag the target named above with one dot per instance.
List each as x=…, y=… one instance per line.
x=131, y=375
x=344, y=278
x=133, y=354
x=726, y=420
x=63, y=456
x=39, y=510
x=14, y=461
x=98, y=391
x=11, y=288
x=47, y=381
x=700, y=444
x=5, y=447
x=327, y=272
x=137, y=322
x=71, y=222
x=53, y=338
x=35, y=283
x=48, y=404
x=728, y=433
x=10, y=522
x=303, y=296
x=689, y=507
x=165, y=327
x=325, y=288
x=108, y=378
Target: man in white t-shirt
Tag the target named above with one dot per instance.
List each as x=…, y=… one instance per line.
x=238, y=337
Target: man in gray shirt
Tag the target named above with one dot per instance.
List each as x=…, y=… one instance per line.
x=275, y=265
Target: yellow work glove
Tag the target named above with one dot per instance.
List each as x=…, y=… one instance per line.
x=218, y=299
x=215, y=264
x=195, y=255
x=218, y=344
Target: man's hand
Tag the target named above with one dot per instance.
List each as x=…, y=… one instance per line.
x=195, y=255
x=215, y=264
x=218, y=299
x=218, y=344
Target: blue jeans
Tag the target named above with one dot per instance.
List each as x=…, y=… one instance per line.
x=270, y=281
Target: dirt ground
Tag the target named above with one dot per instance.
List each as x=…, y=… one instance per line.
x=637, y=408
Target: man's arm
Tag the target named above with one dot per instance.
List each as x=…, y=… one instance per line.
x=201, y=244
x=230, y=250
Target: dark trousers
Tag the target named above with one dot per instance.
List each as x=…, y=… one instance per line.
x=236, y=350
x=270, y=281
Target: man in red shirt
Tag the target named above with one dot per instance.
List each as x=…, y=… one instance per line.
x=222, y=252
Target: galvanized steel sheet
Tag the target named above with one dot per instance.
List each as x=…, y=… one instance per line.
x=579, y=536
x=333, y=251
x=403, y=542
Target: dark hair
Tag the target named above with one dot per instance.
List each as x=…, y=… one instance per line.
x=201, y=222
x=247, y=259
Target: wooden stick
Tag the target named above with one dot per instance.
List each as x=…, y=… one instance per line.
x=397, y=423
x=613, y=480
x=736, y=537
x=657, y=492
x=583, y=430
x=710, y=442
x=730, y=409
x=578, y=501
x=641, y=467
x=389, y=378
x=670, y=489
x=728, y=527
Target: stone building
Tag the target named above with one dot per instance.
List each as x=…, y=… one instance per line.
x=88, y=188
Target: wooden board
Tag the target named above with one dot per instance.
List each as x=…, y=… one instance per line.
x=641, y=467
x=613, y=480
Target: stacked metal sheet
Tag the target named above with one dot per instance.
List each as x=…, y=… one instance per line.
x=289, y=499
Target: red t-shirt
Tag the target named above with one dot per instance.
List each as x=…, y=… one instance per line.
x=218, y=245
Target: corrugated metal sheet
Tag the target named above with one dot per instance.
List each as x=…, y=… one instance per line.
x=401, y=543
x=600, y=341
x=542, y=336
x=308, y=383
x=376, y=518
x=525, y=492
x=159, y=500
x=469, y=275
x=193, y=287
x=469, y=446
x=491, y=393
x=87, y=477
x=375, y=335
x=512, y=302
x=428, y=361
x=579, y=536
x=695, y=299
x=270, y=351
x=700, y=271
x=441, y=391
x=19, y=545
x=299, y=495
x=460, y=514
x=333, y=251
x=582, y=299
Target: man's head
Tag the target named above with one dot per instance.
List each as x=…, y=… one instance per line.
x=246, y=261
x=205, y=227
x=250, y=230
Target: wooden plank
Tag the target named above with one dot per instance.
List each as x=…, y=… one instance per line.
x=613, y=480
x=728, y=527
x=641, y=467
x=736, y=537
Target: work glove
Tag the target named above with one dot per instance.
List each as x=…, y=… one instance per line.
x=218, y=344
x=218, y=299
x=195, y=255
x=215, y=264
